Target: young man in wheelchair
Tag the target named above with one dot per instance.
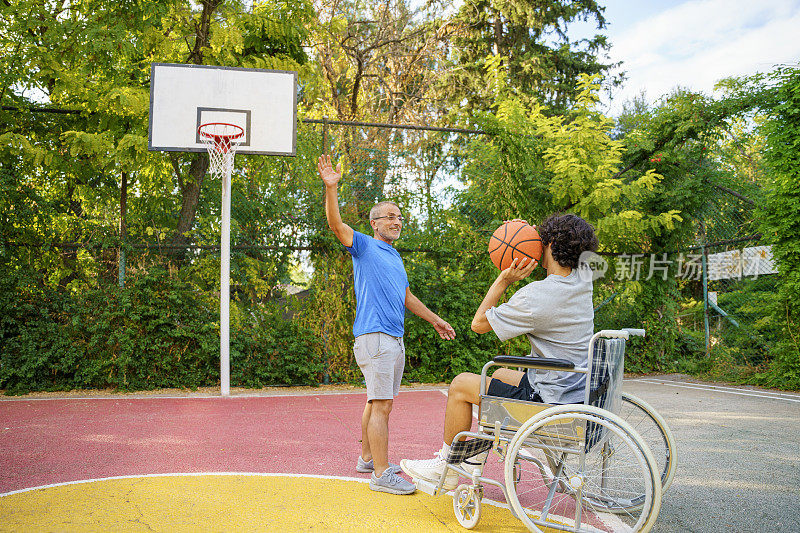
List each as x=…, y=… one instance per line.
x=557, y=316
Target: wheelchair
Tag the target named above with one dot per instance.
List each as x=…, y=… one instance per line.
x=602, y=465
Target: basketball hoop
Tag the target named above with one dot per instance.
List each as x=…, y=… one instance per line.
x=221, y=140
x=195, y=108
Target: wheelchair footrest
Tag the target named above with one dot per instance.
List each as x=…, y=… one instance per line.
x=426, y=486
x=462, y=450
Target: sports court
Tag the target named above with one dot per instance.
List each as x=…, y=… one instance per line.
x=280, y=462
x=283, y=461
x=210, y=463
x=159, y=202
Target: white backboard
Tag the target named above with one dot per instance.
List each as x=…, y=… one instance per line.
x=263, y=102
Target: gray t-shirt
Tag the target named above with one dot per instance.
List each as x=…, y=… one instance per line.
x=558, y=317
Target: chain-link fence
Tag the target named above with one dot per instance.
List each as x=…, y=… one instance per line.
x=739, y=277
x=78, y=236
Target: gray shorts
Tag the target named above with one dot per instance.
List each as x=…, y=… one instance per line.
x=381, y=358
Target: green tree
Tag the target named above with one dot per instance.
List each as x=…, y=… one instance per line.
x=678, y=138
x=376, y=62
x=780, y=214
x=541, y=61
x=95, y=57
x=549, y=164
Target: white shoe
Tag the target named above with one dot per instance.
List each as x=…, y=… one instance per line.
x=430, y=470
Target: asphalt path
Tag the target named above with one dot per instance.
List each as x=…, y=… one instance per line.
x=738, y=456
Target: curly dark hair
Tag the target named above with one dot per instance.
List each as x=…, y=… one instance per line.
x=569, y=236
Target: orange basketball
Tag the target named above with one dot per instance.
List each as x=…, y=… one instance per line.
x=514, y=240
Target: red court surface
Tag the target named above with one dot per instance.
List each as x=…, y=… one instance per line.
x=55, y=441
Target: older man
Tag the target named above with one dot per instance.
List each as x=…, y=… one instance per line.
x=382, y=295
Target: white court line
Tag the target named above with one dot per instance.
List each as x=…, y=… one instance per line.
x=725, y=390
x=722, y=387
x=196, y=474
x=207, y=396
x=182, y=474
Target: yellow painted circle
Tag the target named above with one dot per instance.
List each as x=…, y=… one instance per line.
x=237, y=502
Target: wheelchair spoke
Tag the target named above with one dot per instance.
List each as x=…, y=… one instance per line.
x=571, y=486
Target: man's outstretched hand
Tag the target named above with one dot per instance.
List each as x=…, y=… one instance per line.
x=444, y=330
x=330, y=176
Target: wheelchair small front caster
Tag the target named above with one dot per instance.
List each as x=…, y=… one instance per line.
x=467, y=505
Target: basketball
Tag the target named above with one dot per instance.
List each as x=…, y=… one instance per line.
x=514, y=240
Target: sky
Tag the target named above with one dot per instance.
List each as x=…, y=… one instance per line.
x=695, y=43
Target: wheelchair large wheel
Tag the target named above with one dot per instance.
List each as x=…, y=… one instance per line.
x=580, y=469
x=656, y=433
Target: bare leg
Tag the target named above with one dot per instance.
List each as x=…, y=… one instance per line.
x=461, y=396
x=506, y=375
x=378, y=434
x=366, y=454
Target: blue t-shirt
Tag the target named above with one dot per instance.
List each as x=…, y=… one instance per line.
x=380, y=283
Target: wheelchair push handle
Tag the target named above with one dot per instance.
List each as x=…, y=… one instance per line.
x=635, y=332
x=623, y=333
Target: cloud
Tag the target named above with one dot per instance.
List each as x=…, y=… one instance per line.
x=697, y=43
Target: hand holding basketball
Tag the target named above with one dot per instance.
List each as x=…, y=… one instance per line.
x=330, y=176
x=515, y=239
x=518, y=270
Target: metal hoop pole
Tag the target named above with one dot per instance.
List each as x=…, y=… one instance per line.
x=224, y=282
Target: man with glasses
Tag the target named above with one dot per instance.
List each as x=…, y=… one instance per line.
x=382, y=295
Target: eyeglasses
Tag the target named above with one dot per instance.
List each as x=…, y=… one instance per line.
x=391, y=218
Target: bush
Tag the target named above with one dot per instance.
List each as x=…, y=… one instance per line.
x=156, y=332
x=273, y=351
x=153, y=333
x=453, y=288
x=35, y=348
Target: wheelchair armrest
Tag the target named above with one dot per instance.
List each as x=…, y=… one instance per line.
x=544, y=363
x=623, y=333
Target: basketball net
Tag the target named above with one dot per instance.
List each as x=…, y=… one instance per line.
x=221, y=141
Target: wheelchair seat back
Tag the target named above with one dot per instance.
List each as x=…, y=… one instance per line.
x=604, y=390
x=604, y=386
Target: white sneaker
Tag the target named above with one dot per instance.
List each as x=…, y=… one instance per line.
x=430, y=470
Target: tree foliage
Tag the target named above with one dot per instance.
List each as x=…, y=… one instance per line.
x=80, y=193
x=780, y=214
x=541, y=62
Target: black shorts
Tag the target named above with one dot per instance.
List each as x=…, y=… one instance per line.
x=524, y=391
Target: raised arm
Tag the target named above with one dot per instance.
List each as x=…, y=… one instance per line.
x=416, y=306
x=512, y=274
x=331, y=179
